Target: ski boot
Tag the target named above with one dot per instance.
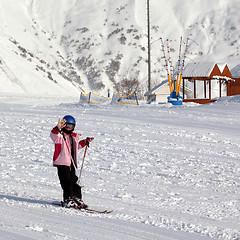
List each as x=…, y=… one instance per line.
x=69, y=203
x=80, y=203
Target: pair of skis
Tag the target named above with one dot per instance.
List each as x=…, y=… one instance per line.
x=87, y=210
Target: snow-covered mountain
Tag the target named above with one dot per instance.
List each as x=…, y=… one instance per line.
x=65, y=47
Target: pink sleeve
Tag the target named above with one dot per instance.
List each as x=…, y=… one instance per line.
x=56, y=136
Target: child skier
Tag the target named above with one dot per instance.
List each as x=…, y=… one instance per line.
x=65, y=155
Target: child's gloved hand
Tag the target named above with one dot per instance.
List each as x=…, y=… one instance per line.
x=88, y=140
x=61, y=124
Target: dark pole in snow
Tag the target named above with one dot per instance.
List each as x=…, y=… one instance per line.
x=149, y=48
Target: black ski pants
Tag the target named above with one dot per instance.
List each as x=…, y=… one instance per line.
x=68, y=181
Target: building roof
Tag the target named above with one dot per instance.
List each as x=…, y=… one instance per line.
x=199, y=69
x=153, y=90
x=236, y=71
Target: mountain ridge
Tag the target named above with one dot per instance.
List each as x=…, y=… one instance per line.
x=65, y=48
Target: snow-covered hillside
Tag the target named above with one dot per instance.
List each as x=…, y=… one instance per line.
x=167, y=172
x=65, y=47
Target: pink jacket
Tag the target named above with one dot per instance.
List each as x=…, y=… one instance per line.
x=62, y=156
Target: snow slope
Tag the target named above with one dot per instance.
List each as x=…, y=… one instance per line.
x=168, y=172
x=70, y=46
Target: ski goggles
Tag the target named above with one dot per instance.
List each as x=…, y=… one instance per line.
x=70, y=125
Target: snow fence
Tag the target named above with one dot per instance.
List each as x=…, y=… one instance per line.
x=116, y=99
x=93, y=98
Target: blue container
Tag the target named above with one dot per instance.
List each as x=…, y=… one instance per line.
x=175, y=99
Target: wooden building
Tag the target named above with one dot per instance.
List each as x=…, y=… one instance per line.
x=207, y=81
x=234, y=86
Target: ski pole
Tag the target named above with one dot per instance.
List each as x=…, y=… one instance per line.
x=79, y=178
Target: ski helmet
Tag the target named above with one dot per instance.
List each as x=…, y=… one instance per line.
x=70, y=119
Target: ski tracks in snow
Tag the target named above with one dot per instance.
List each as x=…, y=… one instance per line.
x=154, y=166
